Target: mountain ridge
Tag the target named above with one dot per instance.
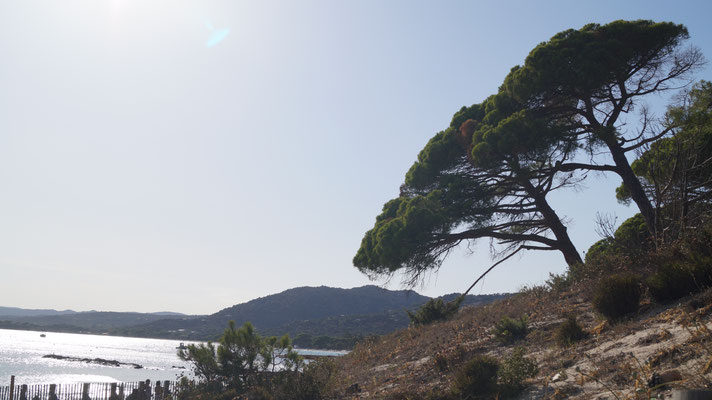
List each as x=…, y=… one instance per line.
x=319, y=311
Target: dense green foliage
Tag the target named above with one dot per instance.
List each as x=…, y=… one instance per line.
x=484, y=377
x=477, y=379
x=586, y=79
x=617, y=296
x=314, y=382
x=509, y=330
x=614, y=254
x=435, y=310
x=569, y=332
x=405, y=233
x=686, y=268
x=584, y=62
x=677, y=279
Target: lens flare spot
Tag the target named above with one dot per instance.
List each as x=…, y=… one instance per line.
x=216, y=35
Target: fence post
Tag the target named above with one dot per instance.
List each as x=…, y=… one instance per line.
x=53, y=392
x=12, y=386
x=85, y=392
x=23, y=392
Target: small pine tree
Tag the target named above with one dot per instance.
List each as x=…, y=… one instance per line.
x=435, y=310
x=509, y=330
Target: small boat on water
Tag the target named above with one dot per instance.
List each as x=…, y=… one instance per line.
x=43, y=335
x=182, y=346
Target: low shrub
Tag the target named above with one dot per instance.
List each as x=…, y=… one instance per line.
x=509, y=330
x=485, y=377
x=477, y=379
x=633, y=235
x=514, y=371
x=569, y=332
x=435, y=310
x=674, y=280
x=614, y=254
x=603, y=258
x=315, y=381
x=558, y=282
x=617, y=295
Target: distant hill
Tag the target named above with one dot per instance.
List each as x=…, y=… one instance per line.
x=377, y=323
x=90, y=321
x=315, y=311
x=168, y=314
x=271, y=312
x=310, y=312
x=21, y=312
x=309, y=303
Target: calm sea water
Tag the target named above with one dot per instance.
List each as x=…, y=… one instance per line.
x=21, y=355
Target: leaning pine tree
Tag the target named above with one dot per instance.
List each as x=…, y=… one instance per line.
x=483, y=177
x=489, y=173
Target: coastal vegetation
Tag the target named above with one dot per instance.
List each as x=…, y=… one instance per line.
x=245, y=363
x=569, y=110
x=435, y=310
x=489, y=173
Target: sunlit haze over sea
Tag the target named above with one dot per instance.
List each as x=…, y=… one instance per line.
x=21, y=355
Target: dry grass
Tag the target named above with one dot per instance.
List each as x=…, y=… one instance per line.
x=618, y=360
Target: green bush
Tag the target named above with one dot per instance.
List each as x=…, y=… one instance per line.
x=602, y=258
x=316, y=381
x=477, y=379
x=514, y=371
x=633, y=234
x=616, y=296
x=484, y=377
x=509, y=330
x=600, y=249
x=613, y=254
x=674, y=280
x=569, y=332
x=435, y=310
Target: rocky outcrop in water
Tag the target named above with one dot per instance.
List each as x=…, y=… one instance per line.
x=100, y=361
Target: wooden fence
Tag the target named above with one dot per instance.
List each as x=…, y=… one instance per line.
x=165, y=390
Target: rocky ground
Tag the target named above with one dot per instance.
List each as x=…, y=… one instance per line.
x=670, y=346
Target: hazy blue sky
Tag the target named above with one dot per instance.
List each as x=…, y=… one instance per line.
x=187, y=156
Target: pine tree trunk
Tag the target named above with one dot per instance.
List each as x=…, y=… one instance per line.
x=632, y=183
x=564, y=243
